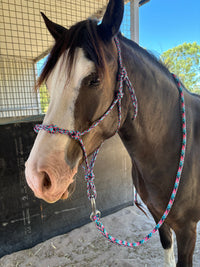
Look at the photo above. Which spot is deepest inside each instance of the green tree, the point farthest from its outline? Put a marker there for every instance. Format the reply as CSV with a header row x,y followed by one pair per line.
x,y
184,61
44,98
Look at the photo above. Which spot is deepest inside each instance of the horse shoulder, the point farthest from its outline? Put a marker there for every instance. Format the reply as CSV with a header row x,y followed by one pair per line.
x,y
192,172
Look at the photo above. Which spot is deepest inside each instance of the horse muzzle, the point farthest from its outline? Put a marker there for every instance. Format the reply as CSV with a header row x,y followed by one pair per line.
x,y
50,178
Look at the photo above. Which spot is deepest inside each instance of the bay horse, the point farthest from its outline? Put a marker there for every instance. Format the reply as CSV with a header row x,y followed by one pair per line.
x,y
81,75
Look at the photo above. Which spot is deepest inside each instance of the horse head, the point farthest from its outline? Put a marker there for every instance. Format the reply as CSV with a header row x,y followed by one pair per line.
x,y
81,77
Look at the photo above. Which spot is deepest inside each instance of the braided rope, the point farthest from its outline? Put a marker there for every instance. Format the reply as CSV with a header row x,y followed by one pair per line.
x,y
96,218
123,76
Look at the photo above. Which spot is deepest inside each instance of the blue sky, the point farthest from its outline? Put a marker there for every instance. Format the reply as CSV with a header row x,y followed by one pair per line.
x,y
165,24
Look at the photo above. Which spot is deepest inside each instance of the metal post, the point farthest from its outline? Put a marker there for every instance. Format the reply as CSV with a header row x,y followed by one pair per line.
x,y
134,28
135,20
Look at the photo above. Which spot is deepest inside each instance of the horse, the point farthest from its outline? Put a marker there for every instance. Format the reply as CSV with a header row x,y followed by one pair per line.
x,y
81,75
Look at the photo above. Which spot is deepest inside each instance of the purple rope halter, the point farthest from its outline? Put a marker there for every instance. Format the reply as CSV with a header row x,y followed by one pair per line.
x,y
89,174
76,135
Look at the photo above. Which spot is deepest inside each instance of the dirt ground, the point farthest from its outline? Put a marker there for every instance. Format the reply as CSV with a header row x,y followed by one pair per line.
x,y
86,247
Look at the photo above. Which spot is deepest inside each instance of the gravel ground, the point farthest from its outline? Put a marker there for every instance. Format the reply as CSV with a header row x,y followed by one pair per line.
x,y
86,247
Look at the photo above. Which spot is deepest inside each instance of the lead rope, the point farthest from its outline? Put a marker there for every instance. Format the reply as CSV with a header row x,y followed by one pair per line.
x,y
89,174
96,218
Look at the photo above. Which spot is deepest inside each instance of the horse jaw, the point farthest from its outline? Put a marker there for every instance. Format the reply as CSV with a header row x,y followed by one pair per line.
x,y
48,172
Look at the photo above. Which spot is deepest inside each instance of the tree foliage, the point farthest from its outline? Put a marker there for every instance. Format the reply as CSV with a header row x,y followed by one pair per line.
x,y
44,98
184,61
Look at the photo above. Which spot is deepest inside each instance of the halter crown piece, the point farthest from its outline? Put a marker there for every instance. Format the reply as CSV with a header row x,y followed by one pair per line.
x,y
89,174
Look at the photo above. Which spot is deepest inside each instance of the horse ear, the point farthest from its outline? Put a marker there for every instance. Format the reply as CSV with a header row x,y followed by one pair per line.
x,y
112,19
55,29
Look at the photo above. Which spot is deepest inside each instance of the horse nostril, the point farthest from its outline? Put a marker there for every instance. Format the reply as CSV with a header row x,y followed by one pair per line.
x,y
46,181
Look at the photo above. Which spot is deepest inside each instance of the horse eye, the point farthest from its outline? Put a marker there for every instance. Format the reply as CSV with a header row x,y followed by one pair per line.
x,y
94,81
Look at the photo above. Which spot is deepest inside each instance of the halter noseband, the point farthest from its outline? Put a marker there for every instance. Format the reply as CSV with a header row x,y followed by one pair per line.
x,y
76,135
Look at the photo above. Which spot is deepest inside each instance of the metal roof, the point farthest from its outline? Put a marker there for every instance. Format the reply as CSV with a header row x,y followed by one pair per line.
x,y
142,2
23,33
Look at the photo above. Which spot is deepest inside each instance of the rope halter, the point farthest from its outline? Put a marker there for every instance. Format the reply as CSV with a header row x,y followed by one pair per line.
x,y
89,174
76,135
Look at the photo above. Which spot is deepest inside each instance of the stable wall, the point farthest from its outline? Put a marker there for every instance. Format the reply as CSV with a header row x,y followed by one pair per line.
x,y
17,80
26,220
25,40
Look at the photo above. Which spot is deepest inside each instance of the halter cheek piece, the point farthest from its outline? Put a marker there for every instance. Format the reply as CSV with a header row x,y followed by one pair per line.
x,y
89,174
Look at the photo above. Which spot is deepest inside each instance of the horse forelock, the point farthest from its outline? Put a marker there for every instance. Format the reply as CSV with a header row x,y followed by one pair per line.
x,y
82,35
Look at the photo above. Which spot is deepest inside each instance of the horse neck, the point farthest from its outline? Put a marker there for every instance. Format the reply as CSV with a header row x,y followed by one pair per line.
x,y
158,124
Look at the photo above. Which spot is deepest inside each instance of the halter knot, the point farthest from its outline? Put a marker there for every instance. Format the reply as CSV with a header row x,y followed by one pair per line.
x,y
89,175
53,129
91,189
122,76
119,94
75,135
37,128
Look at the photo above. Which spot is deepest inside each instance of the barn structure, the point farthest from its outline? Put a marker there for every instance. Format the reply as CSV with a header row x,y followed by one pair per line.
x,y
25,42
